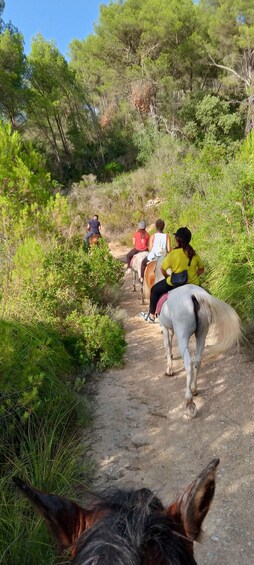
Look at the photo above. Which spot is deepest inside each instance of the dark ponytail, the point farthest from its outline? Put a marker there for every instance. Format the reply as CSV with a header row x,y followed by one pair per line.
x,y
187,248
189,251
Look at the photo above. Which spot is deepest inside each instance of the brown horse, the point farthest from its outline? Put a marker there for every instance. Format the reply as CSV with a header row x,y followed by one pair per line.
x,y
129,527
95,239
152,275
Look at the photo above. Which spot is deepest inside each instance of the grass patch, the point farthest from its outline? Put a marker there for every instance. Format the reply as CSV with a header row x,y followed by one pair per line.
x,y
51,458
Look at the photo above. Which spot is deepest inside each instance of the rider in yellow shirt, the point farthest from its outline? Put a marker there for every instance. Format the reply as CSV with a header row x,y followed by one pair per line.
x,y
178,261
181,259
195,269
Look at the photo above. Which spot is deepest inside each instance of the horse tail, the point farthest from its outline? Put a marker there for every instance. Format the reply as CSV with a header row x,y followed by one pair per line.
x,y
222,318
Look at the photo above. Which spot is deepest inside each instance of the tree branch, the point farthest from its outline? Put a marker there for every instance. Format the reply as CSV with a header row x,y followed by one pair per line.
x,y
230,70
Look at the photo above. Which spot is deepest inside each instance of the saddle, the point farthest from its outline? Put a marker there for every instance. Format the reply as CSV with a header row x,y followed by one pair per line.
x,y
160,303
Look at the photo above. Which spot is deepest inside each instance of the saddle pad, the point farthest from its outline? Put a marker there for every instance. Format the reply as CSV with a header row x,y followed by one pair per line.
x,y
160,303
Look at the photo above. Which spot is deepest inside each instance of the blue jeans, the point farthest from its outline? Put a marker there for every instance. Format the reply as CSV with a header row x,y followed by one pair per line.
x,y
89,234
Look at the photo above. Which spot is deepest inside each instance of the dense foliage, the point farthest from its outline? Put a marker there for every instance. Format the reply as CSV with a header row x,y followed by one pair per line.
x,y
55,331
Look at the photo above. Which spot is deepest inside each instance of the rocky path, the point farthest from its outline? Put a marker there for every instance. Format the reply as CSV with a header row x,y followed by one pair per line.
x,y
140,436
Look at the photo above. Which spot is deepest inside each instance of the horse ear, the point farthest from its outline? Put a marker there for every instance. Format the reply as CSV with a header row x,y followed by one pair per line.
x,y
66,520
192,506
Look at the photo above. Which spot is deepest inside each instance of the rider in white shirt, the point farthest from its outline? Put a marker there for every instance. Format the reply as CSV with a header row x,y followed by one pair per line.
x,y
159,245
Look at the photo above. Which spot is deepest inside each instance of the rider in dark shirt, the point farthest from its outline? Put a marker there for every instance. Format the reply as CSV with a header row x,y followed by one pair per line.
x,y
93,227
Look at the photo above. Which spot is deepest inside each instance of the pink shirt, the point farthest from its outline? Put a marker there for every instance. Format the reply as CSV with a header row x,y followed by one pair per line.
x,y
141,238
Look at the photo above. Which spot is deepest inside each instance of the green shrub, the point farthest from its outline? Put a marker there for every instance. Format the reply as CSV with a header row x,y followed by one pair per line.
x,y
146,139
212,122
102,342
105,271
23,176
47,280
33,366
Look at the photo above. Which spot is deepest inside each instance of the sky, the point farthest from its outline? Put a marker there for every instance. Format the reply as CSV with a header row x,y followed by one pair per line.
x,y
60,20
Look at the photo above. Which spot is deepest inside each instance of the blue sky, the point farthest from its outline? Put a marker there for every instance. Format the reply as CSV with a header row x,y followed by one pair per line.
x,y
60,20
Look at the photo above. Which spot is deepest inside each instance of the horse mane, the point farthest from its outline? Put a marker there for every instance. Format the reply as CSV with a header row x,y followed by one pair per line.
x,y
127,527
133,531
158,274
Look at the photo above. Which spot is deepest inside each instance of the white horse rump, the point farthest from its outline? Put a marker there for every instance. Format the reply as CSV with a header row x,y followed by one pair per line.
x,y
136,271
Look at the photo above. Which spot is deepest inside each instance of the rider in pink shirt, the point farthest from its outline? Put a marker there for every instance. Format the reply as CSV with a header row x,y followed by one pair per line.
x,y
140,243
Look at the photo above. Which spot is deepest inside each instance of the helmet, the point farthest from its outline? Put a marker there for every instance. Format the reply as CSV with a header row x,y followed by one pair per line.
x,y
184,234
142,225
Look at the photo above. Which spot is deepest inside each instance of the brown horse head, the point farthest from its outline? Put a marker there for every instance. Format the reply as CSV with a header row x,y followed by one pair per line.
x,y
126,527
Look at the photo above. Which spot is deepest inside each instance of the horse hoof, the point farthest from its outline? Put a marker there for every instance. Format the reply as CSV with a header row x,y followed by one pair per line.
x,y
194,391
169,374
191,409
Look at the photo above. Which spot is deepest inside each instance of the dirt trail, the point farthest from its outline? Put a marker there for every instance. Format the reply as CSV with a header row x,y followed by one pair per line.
x,y
140,435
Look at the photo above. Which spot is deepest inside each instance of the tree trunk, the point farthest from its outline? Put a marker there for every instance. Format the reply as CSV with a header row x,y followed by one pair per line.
x,y
153,113
250,115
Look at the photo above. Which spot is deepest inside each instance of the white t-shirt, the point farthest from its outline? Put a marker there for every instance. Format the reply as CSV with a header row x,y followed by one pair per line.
x,y
159,247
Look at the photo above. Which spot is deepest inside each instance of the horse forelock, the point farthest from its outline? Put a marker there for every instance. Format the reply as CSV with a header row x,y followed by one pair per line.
x,y
133,531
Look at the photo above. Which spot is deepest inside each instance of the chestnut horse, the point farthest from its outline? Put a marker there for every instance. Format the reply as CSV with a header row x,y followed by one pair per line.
x,y
129,527
152,275
94,239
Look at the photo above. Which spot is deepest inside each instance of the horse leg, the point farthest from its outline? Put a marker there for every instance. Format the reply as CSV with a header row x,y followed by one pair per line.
x,y
142,300
133,281
167,338
183,344
200,344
